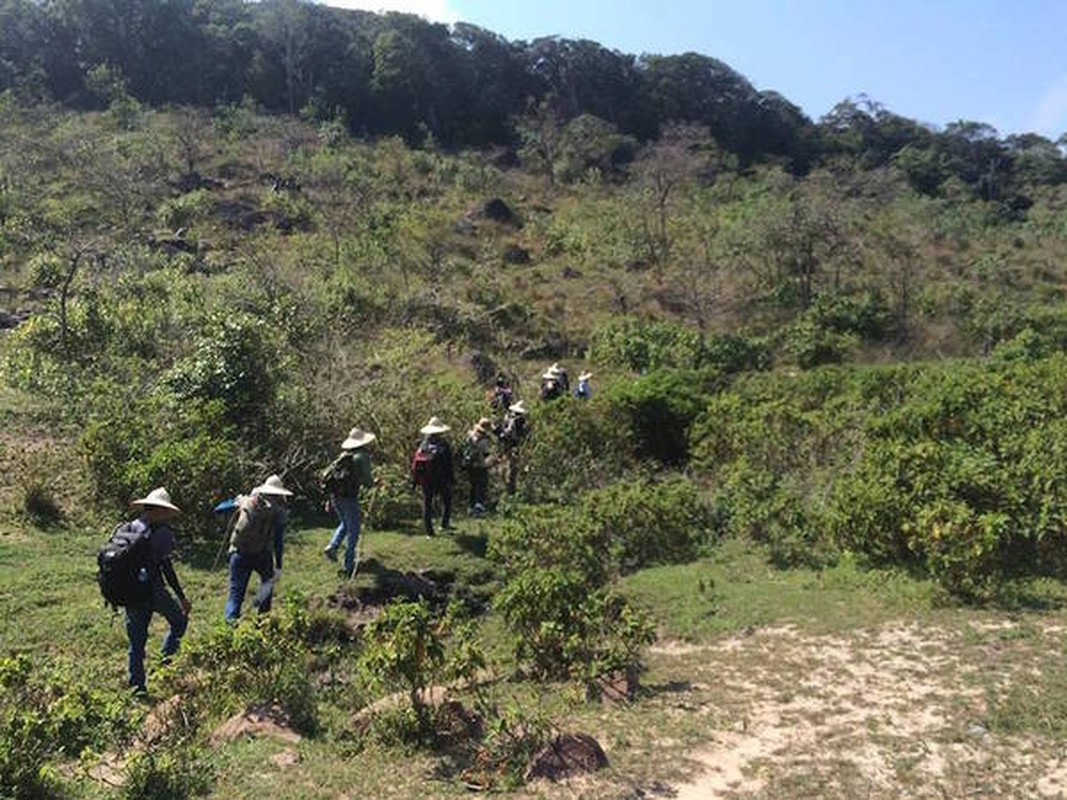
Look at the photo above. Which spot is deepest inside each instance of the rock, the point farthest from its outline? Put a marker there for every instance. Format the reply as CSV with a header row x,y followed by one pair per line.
x,y
567,755
257,721
498,211
286,758
516,255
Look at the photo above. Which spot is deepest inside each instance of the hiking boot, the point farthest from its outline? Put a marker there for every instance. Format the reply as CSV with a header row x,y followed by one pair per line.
x,y
330,553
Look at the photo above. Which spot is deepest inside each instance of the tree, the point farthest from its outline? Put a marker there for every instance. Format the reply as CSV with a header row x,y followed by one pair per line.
x,y
681,155
540,133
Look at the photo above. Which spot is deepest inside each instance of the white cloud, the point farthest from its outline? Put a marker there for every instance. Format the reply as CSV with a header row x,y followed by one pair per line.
x,y
1050,117
433,10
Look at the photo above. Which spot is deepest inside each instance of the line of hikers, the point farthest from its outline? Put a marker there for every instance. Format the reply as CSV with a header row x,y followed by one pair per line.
x,y
136,568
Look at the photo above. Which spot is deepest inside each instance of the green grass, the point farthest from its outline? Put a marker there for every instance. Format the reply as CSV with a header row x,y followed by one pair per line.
x,y
50,607
736,589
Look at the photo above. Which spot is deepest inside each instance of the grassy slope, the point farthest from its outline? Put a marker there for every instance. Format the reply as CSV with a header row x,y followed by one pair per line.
x,y
49,604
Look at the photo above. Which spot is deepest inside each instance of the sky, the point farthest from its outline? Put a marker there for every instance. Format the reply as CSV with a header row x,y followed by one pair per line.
x,y
1001,62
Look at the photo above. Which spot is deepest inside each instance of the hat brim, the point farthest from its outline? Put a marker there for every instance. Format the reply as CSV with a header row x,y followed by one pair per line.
x,y
152,502
430,430
358,442
273,490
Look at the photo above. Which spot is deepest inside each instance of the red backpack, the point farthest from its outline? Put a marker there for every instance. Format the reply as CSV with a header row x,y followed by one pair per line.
x,y
422,465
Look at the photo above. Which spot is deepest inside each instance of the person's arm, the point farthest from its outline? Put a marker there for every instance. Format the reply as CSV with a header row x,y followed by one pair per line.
x,y
450,467
279,539
366,471
166,569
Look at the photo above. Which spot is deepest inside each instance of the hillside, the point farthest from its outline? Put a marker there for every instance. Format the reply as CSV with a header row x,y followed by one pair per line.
x,y
813,391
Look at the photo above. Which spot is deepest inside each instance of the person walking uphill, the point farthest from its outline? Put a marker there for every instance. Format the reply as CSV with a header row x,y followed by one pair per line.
x,y
156,511
432,469
256,545
476,462
511,433
343,479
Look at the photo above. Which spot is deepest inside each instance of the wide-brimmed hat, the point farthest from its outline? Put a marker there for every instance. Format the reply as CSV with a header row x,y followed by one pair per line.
x,y
357,438
483,425
159,498
517,408
273,485
550,375
434,426
585,376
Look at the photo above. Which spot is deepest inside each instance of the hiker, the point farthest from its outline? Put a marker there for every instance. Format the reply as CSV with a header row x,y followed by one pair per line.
x,y
256,545
510,434
500,394
476,461
156,511
583,391
432,469
551,386
343,479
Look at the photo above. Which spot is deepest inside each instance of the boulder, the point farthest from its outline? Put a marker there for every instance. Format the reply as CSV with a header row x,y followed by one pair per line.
x,y
516,255
567,755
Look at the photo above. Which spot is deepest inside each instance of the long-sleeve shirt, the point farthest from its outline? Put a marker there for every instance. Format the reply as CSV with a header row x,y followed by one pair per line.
x,y
162,544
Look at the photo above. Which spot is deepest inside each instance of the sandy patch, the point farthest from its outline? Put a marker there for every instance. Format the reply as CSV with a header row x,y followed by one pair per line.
x,y
891,712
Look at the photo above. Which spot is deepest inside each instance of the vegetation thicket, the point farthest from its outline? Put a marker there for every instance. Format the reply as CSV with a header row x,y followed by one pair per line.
x,y
838,343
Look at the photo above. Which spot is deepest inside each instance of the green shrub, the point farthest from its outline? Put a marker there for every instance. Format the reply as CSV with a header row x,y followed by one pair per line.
x,y
405,646
232,363
641,346
570,447
134,444
657,411
810,343
261,661
167,773
557,563
45,714
644,524
185,209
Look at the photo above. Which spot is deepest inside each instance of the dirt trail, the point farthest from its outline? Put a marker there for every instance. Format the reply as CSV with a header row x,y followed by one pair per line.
x,y
888,713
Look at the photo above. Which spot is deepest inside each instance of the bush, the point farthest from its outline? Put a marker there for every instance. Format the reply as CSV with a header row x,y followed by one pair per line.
x,y
565,627
644,524
557,564
132,445
657,410
571,447
261,661
45,714
643,346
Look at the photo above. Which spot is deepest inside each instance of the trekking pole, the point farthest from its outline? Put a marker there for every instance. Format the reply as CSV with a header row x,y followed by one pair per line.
x,y
225,539
370,510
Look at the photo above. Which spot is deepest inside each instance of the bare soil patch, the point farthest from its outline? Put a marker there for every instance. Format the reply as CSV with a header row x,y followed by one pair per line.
x,y
892,712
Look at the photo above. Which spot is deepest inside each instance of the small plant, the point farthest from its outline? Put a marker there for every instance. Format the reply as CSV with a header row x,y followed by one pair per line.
x,y
173,773
405,646
44,714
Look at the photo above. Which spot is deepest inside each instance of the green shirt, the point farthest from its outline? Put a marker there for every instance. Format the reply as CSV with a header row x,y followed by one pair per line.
x,y
348,472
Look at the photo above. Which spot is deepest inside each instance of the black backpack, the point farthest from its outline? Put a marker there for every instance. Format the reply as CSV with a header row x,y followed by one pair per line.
x,y
125,565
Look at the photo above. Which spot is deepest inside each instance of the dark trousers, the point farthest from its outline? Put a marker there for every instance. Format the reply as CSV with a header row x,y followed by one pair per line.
x,y
429,492
479,478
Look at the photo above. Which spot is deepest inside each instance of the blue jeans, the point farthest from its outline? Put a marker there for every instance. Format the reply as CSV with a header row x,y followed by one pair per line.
x,y
241,569
347,510
137,621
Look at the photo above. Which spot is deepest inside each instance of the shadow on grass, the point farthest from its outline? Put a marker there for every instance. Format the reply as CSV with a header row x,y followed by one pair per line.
x,y
475,544
668,687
